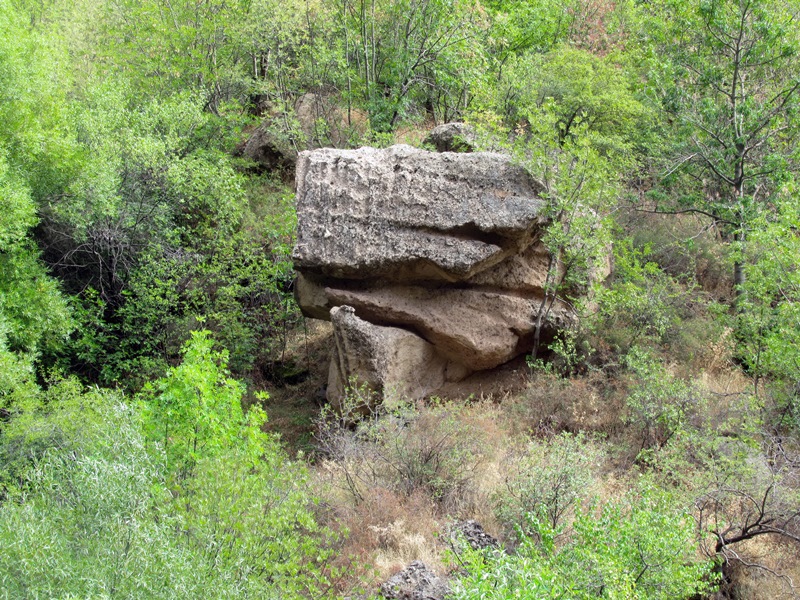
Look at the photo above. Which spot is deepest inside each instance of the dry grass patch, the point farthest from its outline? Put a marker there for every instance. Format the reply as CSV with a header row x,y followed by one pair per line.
x,y
398,481
387,531
769,570
551,404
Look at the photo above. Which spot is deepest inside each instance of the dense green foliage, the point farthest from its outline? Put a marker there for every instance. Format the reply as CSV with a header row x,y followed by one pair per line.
x,y
636,548
98,503
133,232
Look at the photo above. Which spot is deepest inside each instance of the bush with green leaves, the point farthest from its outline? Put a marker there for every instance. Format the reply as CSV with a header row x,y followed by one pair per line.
x,y
34,315
639,547
587,92
640,305
768,324
155,226
195,411
660,404
184,498
84,514
550,478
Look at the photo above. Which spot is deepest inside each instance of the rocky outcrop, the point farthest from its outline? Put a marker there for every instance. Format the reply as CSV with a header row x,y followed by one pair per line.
x,y
415,582
442,246
390,362
473,534
452,137
317,121
403,214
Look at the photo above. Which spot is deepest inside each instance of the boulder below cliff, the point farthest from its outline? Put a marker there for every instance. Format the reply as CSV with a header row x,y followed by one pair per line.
x,y
392,363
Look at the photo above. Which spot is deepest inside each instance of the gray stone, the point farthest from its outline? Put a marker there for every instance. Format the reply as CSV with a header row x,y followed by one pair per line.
x,y
473,534
405,214
452,137
415,582
391,363
477,328
268,150
441,248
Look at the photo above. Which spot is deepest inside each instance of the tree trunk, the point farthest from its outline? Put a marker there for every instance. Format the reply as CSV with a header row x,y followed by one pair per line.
x,y
738,276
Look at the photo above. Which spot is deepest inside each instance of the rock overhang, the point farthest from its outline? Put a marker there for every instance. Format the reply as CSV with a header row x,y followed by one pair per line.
x,y
445,246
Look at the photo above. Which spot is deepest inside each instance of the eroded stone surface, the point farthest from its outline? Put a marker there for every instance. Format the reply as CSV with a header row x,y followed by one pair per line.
x,y
473,534
479,329
405,214
390,362
446,247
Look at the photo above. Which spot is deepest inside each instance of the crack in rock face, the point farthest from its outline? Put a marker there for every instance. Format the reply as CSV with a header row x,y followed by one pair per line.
x,y
444,247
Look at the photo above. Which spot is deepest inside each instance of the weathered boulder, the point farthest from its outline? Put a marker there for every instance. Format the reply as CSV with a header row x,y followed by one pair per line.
x,y
444,246
390,362
478,328
415,582
452,137
404,214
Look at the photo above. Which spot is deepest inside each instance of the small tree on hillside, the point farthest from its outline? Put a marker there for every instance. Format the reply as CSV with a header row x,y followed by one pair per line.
x,y
729,84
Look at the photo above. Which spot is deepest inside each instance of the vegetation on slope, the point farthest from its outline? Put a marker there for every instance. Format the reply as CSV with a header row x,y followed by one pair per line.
x,y
652,450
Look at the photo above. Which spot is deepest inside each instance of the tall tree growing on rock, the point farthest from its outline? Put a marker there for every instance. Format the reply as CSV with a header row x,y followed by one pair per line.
x,y
732,89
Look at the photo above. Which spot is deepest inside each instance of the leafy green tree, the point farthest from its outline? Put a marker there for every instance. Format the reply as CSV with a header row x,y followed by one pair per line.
x,y
33,314
34,154
730,86
641,303
84,517
660,404
520,26
411,52
741,476
587,92
34,133
157,228
170,46
196,410
770,321
580,184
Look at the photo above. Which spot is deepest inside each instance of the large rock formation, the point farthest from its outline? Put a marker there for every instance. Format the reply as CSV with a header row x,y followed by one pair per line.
x,y
443,246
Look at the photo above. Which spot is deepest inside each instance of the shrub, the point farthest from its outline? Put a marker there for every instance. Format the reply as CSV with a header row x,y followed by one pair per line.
x,y
404,449
639,547
195,411
93,508
641,304
660,405
548,478
87,518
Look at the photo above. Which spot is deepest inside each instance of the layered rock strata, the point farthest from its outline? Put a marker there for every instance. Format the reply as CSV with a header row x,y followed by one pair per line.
x,y
441,246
